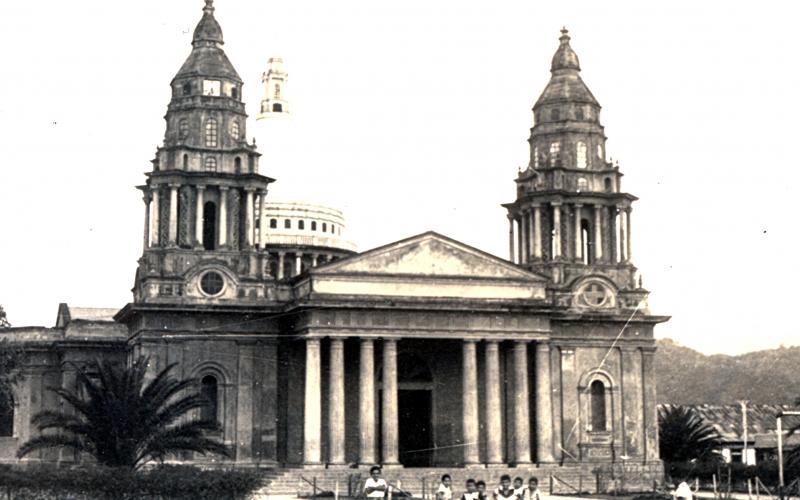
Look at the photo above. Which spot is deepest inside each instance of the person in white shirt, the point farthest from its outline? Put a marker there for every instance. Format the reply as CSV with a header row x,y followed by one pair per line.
x,y
472,491
375,486
519,487
505,491
445,492
532,491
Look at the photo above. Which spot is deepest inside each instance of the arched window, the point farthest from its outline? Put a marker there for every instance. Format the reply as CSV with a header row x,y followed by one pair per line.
x,y
211,133
209,225
273,223
234,92
580,155
324,227
301,224
277,91
583,184
183,128
235,130
313,225
600,151
237,165
187,88
607,184
536,157
211,164
277,107
287,224
598,405
6,416
210,391
555,154
185,162
333,228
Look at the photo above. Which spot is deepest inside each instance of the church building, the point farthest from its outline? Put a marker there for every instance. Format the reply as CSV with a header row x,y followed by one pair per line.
x,y
422,353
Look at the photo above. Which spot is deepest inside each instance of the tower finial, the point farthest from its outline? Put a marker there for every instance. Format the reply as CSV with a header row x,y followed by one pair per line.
x,y
209,8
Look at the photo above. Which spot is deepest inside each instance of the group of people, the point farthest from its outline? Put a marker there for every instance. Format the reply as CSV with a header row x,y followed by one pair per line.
x,y
376,487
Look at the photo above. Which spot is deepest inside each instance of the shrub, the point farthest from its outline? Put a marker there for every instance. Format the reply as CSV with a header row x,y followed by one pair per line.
x,y
98,482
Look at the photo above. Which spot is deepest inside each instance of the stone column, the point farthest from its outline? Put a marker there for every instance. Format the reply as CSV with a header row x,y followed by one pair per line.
x,y
522,437
314,260
336,403
366,403
312,418
520,240
155,220
614,235
544,409
146,242
537,231
531,230
298,263
578,234
556,230
628,234
494,424
172,234
623,236
598,233
248,221
511,239
222,225
198,216
389,421
523,238
280,265
262,215
469,398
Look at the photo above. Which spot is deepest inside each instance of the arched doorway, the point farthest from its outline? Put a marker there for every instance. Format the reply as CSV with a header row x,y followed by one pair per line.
x,y
415,410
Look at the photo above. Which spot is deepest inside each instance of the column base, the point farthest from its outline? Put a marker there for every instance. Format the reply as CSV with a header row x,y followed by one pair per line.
x,y
314,465
392,466
338,466
496,465
473,465
523,464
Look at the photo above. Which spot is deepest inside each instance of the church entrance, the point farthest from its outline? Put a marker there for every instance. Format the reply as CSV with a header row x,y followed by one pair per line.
x,y
415,413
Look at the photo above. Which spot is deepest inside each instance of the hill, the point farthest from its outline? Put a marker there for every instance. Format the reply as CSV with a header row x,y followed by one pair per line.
x,y
685,376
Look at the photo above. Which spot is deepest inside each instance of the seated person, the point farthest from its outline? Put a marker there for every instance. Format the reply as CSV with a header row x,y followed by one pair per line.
x,y
375,486
445,491
481,490
532,492
519,487
505,491
472,491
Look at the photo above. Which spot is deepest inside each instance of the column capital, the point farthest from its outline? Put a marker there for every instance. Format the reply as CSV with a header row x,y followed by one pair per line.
x,y
281,254
578,205
200,187
542,345
174,185
146,197
249,189
556,203
223,188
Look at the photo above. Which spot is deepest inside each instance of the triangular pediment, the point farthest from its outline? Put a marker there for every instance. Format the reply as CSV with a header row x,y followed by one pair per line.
x,y
429,254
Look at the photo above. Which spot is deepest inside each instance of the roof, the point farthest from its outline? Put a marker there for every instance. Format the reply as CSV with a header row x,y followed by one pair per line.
x,y
67,314
207,57
565,83
727,419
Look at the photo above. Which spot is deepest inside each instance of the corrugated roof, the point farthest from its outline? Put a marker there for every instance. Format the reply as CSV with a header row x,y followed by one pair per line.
x,y
727,419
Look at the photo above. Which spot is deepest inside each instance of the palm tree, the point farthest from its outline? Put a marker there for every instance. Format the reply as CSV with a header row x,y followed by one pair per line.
x,y
125,421
684,436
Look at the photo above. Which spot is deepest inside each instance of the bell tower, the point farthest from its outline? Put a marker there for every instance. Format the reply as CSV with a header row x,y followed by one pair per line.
x,y
571,219
274,102
204,194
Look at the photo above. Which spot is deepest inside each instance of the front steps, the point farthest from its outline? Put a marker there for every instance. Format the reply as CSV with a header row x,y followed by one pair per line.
x,y
558,479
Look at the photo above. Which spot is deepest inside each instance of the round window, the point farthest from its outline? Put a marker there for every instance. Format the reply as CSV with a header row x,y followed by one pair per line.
x,y
211,283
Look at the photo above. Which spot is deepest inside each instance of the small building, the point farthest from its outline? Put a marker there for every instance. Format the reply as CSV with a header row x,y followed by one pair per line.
x,y
760,440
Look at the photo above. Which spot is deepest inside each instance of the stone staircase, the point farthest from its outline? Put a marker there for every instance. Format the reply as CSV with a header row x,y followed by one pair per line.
x,y
422,482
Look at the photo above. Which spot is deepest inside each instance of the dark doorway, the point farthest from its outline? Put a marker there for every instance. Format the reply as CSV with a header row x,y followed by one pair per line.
x,y
416,436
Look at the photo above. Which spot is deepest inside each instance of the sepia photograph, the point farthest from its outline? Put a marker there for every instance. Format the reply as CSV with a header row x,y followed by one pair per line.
x,y
430,250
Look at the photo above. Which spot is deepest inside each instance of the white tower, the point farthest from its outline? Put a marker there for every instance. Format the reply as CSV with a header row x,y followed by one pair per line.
x,y
274,101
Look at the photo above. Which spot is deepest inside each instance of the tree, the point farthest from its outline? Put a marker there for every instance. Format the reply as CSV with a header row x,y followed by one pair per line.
x,y
684,436
125,421
12,358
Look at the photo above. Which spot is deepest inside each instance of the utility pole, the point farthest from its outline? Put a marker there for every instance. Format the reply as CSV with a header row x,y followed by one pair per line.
x,y
780,448
743,402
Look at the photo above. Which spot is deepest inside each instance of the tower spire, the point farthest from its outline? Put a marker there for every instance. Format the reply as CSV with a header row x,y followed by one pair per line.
x,y
208,30
565,57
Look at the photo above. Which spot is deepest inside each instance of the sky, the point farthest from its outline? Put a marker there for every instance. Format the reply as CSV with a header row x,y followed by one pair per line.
x,y
412,116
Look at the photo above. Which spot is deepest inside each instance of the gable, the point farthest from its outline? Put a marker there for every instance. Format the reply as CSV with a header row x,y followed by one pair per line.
x,y
426,266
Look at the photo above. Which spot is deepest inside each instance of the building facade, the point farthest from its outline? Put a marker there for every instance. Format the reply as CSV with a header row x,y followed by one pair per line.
x,y
425,352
